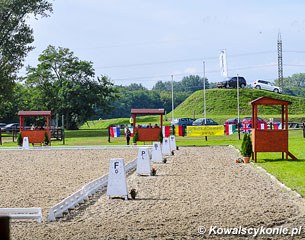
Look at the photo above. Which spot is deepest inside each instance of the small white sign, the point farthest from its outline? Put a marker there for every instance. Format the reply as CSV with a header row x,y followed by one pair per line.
x,y
172,141
25,143
117,185
156,152
166,149
143,162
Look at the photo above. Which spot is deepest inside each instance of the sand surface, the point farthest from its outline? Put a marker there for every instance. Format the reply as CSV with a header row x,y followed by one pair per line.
x,y
196,187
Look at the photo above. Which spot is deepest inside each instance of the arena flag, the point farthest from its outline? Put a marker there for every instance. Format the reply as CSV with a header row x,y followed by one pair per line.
x,y
166,131
179,131
131,131
230,129
245,128
277,125
115,132
223,63
263,126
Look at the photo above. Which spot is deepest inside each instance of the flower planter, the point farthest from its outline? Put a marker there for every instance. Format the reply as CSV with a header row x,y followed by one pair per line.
x,y
246,159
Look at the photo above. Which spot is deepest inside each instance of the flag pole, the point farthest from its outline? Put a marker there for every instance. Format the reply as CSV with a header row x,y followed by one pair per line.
x,y
204,97
172,99
238,117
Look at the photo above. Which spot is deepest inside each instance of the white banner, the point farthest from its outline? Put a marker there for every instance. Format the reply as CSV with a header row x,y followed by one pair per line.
x,y
223,63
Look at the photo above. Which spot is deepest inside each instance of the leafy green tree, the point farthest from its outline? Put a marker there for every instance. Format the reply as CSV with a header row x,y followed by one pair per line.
x,y
136,86
296,80
293,85
190,84
15,39
66,85
162,86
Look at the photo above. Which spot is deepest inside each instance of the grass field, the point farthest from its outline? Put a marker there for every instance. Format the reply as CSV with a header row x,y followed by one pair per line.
x,y
289,172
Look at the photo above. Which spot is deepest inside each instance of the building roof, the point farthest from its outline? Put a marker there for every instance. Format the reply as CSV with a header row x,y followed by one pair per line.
x,y
148,111
269,101
34,113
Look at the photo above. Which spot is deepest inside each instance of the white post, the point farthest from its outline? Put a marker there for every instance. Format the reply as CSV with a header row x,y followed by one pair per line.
x,y
204,100
238,98
117,184
172,99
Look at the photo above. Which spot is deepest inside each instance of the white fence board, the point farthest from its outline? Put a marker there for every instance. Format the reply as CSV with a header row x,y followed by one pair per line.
x,y
82,195
22,213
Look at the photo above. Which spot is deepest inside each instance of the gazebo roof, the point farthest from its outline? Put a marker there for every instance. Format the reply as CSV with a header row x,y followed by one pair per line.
x,y
148,111
34,113
269,101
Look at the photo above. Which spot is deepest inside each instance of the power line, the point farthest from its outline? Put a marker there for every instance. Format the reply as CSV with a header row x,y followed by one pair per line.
x,y
183,60
153,78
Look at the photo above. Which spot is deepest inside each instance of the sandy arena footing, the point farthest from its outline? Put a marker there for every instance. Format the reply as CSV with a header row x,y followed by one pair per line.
x,y
199,186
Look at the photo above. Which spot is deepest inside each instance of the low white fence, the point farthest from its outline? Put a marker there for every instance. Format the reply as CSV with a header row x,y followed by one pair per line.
x,y
83,194
22,213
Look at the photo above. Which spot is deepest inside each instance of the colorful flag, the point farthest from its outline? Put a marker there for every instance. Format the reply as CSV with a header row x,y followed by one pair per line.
x,y
230,129
166,131
179,131
115,132
277,125
245,128
262,126
223,63
131,131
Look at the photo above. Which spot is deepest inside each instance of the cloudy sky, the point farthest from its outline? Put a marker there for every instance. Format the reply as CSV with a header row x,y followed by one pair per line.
x,y
145,41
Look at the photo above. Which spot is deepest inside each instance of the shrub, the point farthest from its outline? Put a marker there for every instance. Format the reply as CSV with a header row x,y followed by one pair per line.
x,y
46,139
19,139
135,137
246,146
161,136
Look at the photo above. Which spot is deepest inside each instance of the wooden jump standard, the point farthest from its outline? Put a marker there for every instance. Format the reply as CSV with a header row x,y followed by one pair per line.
x,y
270,140
147,134
35,135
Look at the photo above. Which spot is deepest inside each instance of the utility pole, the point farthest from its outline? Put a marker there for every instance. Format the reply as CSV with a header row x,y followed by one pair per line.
x,y
204,99
237,87
280,60
172,99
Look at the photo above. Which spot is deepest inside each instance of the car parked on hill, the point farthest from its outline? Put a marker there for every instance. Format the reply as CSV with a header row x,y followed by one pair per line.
x,y
203,121
266,85
231,82
11,127
183,121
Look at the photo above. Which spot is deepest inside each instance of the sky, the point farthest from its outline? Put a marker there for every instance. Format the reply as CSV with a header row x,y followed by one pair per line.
x,y
142,41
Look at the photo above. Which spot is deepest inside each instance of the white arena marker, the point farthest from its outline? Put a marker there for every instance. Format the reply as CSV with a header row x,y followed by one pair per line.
x,y
117,185
166,149
25,143
156,152
172,141
143,162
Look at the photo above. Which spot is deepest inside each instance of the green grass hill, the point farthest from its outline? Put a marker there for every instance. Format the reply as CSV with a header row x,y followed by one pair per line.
x,y
222,104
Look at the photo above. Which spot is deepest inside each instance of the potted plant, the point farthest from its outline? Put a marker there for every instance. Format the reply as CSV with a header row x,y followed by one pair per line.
x,y
133,193
153,172
135,138
246,148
